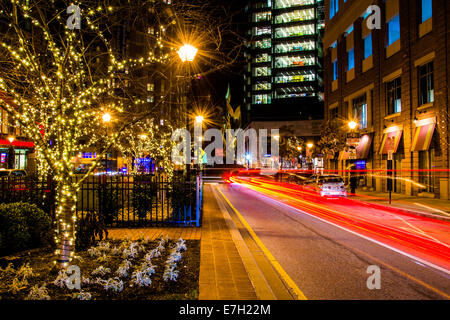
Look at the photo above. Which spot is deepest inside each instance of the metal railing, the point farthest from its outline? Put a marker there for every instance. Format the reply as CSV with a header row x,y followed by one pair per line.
x,y
121,200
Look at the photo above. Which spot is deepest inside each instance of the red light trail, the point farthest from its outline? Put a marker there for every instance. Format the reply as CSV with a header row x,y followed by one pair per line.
x,y
424,238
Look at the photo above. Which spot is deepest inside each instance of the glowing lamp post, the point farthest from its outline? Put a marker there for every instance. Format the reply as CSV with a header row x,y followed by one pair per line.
x,y
352,125
187,53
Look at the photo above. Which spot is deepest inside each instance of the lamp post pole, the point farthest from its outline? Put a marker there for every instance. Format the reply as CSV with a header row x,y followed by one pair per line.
x,y
187,55
106,119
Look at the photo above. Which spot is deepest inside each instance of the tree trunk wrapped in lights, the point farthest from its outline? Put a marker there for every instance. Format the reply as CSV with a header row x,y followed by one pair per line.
x,y
56,88
57,80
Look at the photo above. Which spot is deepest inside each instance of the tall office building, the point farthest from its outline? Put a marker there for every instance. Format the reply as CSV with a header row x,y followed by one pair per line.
x,y
283,78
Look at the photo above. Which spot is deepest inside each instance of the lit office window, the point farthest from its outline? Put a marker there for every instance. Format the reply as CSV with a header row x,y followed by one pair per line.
x,y
257,31
426,84
295,16
260,86
261,72
367,46
262,44
394,96
262,16
282,4
295,46
351,59
295,31
262,99
427,9
263,57
393,30
294,61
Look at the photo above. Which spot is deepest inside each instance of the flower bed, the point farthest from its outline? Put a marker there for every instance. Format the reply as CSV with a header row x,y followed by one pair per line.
x,y
164,269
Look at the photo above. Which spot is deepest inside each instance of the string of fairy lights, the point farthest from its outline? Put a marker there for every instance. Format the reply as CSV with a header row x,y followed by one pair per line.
x,y
56,100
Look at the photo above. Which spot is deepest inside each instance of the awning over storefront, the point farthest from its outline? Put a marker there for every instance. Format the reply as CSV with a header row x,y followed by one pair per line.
x,y
363,148
391,140
423,134
17,144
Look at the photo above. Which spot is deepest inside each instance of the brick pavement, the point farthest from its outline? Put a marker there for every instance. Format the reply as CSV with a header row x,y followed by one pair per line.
x,y
222,272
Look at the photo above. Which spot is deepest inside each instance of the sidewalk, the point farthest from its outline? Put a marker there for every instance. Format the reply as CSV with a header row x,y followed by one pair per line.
x,y
225,273
434,208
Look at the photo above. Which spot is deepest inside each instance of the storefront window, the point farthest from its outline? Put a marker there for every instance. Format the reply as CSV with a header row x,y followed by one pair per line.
x,y
426,163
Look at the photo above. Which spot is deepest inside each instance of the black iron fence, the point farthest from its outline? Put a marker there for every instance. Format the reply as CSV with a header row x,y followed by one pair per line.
x,y
121,200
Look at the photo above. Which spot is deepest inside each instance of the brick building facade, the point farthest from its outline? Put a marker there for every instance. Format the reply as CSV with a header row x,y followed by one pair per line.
x,y
394,82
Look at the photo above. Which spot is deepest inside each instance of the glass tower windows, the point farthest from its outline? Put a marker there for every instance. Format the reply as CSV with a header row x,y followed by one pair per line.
x,y
262,16
295,46
262,44
282,4
295,31
262,57
299,76
262,86
261,99
295,16
262,72
294,61
257,31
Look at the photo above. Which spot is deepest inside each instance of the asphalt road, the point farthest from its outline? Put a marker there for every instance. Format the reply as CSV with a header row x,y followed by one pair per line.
x,y
329,262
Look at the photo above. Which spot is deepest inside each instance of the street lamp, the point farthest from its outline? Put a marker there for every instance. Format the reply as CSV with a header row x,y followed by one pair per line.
x,y
310,145
199,119
106,119
352,125
187,53
11,139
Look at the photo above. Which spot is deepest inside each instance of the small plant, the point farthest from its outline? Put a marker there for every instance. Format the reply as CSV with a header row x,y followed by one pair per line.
x,y
83,295
101,271
113,284
62,279
38,293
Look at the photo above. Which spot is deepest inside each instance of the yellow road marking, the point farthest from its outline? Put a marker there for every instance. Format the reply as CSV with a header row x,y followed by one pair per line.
x,y
287,279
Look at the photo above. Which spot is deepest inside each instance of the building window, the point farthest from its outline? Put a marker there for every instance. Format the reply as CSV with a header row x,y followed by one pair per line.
x,y
426,164
257,31
394,96
335,70
351,59
367,46
426,9
393,30
334,8
262,16
334,113
261,72
360,111
262,99
426,84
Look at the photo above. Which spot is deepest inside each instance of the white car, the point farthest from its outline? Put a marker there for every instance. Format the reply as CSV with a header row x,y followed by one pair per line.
x,y
328,185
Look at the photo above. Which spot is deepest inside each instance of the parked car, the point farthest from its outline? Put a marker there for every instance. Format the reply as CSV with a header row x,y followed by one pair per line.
x,y
14,173
327,185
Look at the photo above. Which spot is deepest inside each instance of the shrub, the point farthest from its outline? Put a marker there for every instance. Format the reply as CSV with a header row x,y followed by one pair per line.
x,y
145,189
23,226
88,229
108,200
